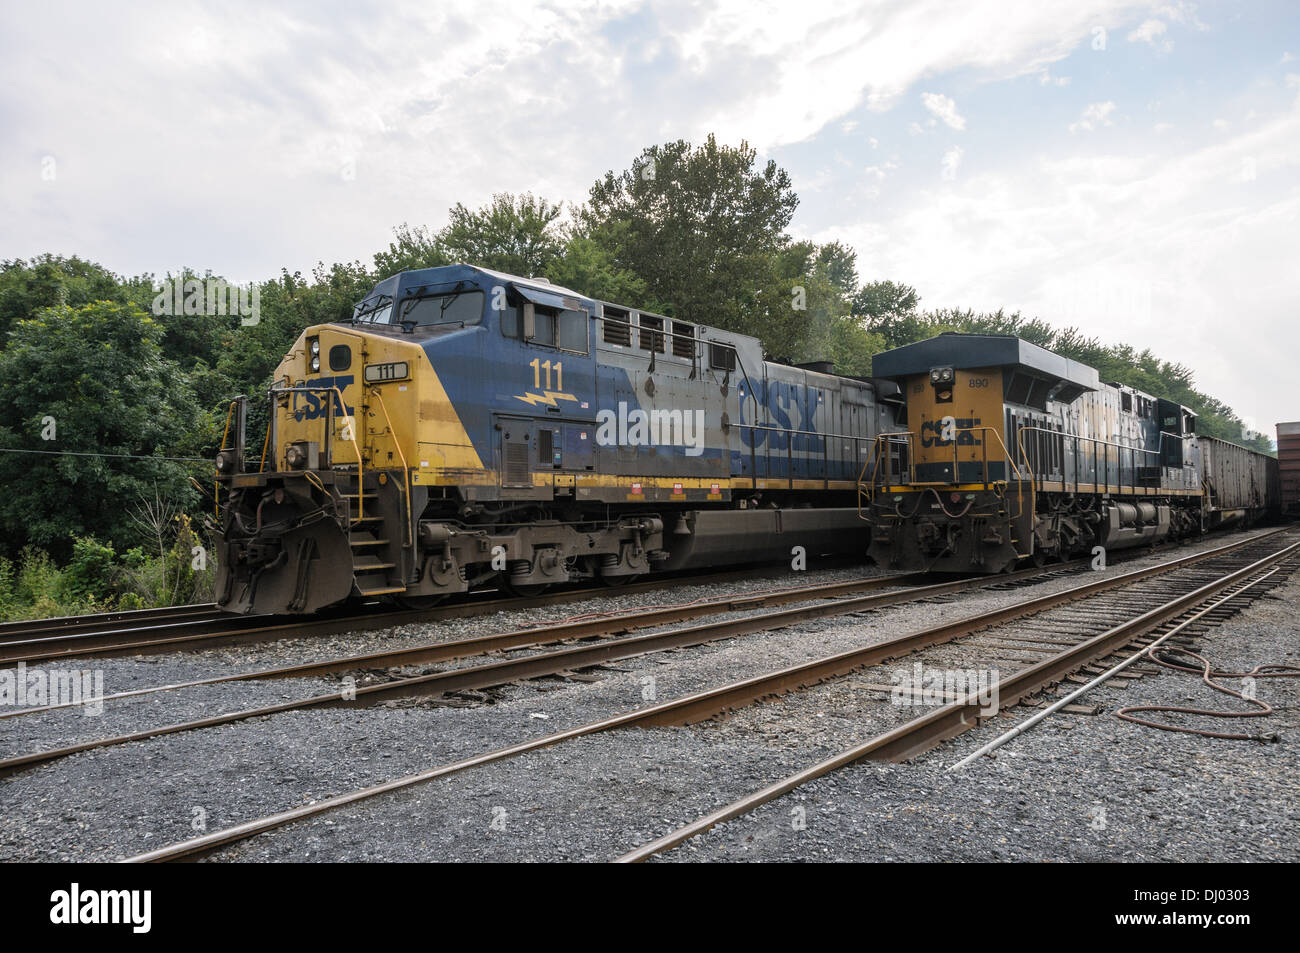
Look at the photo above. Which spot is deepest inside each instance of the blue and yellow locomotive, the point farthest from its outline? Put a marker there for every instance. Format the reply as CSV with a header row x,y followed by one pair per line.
x,y
470,428
1009,452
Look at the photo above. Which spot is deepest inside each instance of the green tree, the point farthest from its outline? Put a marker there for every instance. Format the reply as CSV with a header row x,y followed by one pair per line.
x,y
703,227
411,250
519,235
589,268
91,380
839,263
889,310
49,281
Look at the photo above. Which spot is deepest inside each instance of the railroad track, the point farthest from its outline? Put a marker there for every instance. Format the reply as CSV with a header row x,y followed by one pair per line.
x,y
103,621
203,626
1156,595
1160,613
837,599
191,628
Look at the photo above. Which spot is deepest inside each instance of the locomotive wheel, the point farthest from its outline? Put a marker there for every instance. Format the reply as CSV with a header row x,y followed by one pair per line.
x,y
420,602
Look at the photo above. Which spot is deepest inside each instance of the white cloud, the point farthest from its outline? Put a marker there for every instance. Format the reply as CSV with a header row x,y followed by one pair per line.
x,y
1124,246
880,171
475,98
951,160
1182,13
1152,32
1094,115
943,108
1248,172
1047,79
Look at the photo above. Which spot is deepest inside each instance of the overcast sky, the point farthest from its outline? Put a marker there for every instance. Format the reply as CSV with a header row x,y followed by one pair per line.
x,y
1130,168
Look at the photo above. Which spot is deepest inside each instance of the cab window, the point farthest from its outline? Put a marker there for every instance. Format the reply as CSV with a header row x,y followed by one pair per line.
x,y
463,308
544,324
572,331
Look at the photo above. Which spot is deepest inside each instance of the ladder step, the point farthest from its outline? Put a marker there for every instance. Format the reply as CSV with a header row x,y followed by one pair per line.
x,y
368,542
371,567
367,519
381,592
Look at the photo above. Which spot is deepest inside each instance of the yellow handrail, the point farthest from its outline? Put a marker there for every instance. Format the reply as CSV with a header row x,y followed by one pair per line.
x,y
216,485
265,443
868,488
406,471
361,466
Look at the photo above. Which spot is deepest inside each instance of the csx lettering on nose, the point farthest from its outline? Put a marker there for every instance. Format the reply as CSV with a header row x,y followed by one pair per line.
x,y
312,406
932,433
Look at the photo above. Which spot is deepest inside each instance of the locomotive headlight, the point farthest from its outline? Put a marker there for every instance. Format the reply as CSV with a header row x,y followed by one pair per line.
x,y
315,364
934,376
947,373
315,346
296,457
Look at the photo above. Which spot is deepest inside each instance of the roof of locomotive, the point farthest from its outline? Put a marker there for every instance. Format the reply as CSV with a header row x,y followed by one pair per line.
x,y
968,351
411,281
537,290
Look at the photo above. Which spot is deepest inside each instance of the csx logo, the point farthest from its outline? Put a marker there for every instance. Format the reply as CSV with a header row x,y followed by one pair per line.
x,y
780,398
937,433
313,406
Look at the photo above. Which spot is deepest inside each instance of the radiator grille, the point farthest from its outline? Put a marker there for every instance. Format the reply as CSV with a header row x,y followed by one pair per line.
x,y
516,464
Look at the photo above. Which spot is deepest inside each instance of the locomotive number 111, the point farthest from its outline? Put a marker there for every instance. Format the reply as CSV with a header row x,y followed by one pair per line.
x,y
538,366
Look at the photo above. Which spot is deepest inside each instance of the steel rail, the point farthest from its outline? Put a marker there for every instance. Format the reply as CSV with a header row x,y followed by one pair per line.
x,y
73,623
490,674
690,708
605,624
1114,670
922,733
114,642
588,628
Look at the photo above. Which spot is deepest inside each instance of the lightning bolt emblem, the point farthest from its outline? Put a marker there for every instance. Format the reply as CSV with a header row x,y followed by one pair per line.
x,y
547,397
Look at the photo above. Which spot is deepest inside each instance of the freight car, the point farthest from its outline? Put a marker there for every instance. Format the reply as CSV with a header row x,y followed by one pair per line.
x,y
469,428
1241,485
1011,452
1288,458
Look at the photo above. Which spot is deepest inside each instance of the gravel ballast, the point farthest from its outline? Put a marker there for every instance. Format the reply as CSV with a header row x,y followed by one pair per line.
x,y
594,797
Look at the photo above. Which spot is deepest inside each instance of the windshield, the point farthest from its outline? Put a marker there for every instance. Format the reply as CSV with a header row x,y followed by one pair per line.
x,y
456,307
374,310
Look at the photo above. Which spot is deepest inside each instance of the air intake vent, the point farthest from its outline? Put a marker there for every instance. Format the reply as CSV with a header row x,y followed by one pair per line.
x,y
516,464
617,327
683,340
